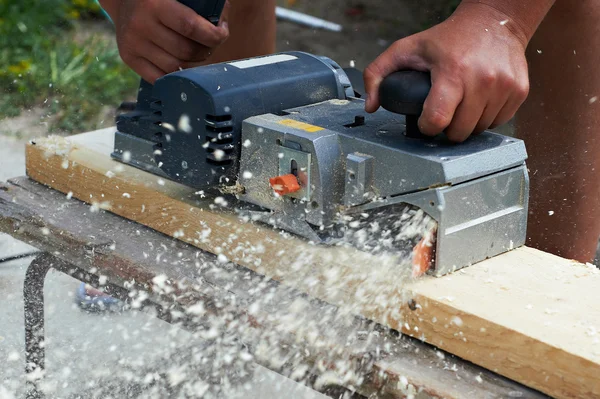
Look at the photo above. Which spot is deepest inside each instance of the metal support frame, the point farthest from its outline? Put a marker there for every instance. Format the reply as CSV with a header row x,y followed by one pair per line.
x,y
33,292
33,297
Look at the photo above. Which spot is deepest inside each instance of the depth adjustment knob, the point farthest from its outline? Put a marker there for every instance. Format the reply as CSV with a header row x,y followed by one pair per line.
x,y
404,92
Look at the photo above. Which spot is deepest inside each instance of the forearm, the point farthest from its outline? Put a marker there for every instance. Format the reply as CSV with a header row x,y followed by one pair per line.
x,y
522,18
559,123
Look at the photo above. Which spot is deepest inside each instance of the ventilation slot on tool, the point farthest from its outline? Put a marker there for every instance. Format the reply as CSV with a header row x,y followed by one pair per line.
x,y
155,118
219,136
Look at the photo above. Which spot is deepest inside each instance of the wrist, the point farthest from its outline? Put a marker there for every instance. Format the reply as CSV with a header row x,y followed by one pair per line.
x,y
519,18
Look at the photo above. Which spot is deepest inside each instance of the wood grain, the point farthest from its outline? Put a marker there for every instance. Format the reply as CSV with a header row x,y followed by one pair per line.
x,y
528,315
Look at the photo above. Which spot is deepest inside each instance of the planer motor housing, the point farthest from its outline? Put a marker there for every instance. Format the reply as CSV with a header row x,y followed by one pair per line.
x,y
190,122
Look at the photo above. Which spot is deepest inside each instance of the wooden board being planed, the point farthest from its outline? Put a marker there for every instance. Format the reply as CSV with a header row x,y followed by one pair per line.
x,y
528,315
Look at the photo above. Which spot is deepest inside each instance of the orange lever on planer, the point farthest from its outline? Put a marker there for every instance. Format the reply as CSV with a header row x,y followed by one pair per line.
x,y
285,184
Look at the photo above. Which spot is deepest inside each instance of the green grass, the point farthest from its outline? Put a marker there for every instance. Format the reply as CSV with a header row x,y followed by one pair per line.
x,y
41,63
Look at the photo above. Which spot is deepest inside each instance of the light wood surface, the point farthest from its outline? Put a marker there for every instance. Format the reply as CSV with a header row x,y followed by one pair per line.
x,y
528,315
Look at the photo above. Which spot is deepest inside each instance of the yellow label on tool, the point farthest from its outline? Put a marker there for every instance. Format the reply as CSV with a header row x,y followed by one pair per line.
x,y
300,125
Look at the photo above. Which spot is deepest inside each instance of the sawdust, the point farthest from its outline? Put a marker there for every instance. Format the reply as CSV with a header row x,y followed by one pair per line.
x,y
338,102
54,145
236,189
301,344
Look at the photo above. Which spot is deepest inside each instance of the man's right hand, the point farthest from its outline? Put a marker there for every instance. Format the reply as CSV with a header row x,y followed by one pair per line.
x,y
156,37
478,69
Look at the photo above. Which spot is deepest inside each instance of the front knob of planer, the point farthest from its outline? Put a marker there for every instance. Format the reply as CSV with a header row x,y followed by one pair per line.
x,y
404,92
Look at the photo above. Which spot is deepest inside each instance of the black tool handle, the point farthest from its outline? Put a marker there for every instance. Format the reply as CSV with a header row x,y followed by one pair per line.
x,y
404,92
209,9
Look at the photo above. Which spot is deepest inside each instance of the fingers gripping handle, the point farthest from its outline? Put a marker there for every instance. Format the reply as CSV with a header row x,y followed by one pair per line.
x,y
404,92
209,9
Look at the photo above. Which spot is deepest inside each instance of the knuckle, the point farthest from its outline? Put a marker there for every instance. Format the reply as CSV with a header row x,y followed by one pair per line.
x,y
459,67
523,88
506,81
222,35
215,37
488,78
187,26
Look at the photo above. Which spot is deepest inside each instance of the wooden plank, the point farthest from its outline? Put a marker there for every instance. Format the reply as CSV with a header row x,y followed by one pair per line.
x,y
123,251
528,315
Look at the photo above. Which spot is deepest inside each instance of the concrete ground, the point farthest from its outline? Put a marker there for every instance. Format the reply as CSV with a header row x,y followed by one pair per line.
x,y
78,343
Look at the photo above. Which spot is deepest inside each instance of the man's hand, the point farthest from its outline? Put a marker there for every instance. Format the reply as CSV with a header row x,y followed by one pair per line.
x,y
156,37
478,71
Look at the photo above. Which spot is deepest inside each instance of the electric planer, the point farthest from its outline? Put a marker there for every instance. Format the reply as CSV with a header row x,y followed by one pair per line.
x,y
287,134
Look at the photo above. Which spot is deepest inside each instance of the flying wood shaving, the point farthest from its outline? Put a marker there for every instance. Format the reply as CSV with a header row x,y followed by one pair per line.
x,y
235,189
55,145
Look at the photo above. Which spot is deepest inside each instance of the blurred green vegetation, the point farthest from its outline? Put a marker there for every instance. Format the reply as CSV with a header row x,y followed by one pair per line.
x,y
42,62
